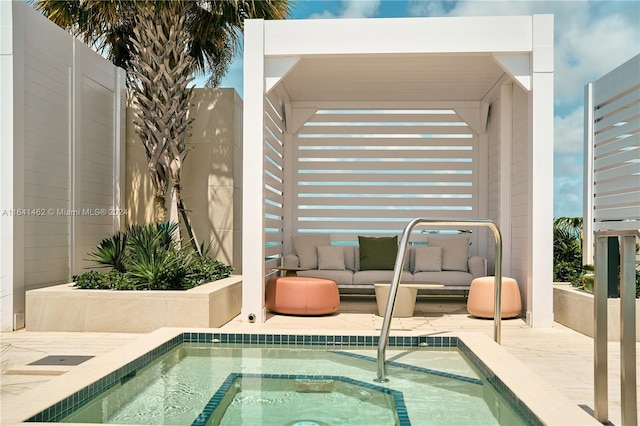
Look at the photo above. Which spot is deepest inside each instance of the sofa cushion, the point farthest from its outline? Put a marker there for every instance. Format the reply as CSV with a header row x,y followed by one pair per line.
x,y
428,259
455,251
331,257
342,278
351,257
305,246
378,253
447,278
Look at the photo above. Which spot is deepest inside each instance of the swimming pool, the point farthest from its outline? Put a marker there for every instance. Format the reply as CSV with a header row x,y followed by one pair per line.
x,y
232,379
273,370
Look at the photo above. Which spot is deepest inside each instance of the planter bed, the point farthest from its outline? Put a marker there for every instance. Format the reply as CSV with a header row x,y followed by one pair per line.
x,y
573,308
67,308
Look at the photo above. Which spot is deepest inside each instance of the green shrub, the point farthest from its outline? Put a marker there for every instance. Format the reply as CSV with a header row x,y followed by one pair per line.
x,y
146,257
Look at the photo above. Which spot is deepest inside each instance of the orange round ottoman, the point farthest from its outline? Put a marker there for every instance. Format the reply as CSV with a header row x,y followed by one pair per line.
x,y
302,296
481,298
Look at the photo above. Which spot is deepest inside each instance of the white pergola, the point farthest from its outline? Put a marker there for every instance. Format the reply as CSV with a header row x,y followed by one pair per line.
x,y
320,94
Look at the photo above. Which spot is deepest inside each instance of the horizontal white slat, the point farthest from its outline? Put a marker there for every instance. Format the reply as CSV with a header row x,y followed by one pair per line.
x,y
274,131
607,106
628,225
384,156
388,179
624,184
270,195
373,190
378,214
613,132
421,168
273,223
272,251
617,213
627,113
408,142
617,145
273,148
385,118
271,168
624,199
618,159
384,130
624,170
378,199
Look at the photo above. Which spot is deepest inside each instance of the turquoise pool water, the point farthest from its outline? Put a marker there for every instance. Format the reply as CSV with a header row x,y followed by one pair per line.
x,y
298,383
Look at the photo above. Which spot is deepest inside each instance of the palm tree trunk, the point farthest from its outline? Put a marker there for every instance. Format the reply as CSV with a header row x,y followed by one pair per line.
x,y
176,195
159,208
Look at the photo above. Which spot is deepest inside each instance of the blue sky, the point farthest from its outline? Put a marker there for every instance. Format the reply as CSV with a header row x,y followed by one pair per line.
x,y
591,39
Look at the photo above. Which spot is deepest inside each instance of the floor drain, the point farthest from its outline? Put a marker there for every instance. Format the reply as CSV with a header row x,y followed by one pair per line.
x,y
307,423
61,360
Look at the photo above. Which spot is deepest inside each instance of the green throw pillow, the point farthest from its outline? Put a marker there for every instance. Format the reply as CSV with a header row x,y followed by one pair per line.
x,y
378,253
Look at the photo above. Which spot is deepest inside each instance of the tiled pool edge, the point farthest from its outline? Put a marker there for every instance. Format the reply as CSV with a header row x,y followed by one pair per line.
x,y
72,402
569,413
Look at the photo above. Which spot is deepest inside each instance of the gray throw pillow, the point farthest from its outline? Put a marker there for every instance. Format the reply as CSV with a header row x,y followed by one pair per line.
x,y
305,246
455,251
428,259
331,257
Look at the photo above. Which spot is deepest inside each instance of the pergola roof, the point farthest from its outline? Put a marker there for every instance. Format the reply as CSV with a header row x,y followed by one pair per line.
x,y
406,77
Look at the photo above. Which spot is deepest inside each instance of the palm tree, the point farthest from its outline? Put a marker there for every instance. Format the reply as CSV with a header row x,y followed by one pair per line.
x,y
567,248
213,26
163,44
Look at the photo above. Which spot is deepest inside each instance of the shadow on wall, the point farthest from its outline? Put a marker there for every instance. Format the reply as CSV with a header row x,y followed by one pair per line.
x,y
211,174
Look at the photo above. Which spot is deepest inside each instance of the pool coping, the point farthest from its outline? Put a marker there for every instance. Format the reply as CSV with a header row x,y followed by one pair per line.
x,y
548,404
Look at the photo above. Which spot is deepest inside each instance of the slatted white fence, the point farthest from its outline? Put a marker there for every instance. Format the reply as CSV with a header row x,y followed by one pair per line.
x,y
612,152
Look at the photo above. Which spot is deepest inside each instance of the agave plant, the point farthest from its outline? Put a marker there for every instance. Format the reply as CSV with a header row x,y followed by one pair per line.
x,y
111,252
149,257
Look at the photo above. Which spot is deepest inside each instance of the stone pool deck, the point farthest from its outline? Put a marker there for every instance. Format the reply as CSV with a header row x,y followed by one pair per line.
x,y
561,356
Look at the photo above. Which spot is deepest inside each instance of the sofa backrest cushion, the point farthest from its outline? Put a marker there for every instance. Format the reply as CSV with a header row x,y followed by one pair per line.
x,y
331,257
378,253
305,246
455,251
428,259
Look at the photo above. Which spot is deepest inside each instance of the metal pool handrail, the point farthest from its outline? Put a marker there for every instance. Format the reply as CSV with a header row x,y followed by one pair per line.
x,y
397,273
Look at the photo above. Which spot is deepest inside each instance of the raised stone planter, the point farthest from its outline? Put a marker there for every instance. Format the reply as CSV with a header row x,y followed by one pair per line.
x,y
66,308
573,308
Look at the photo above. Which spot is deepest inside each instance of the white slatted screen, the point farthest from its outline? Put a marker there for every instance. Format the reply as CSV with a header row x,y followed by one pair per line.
x,y
273,183
616,148
369,172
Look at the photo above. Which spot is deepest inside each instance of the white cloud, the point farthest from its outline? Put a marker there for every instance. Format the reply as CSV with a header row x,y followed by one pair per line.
x,y
352,9
591,38
568,132
568,193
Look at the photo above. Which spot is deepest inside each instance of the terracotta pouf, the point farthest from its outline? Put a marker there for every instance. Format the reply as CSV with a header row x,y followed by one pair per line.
x,y
302,296
481,298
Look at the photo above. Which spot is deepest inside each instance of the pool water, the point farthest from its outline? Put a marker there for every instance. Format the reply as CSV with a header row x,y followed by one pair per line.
x,y
301,385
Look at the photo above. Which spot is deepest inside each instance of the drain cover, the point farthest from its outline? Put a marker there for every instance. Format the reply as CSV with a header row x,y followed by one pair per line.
x,y
61,360
307,423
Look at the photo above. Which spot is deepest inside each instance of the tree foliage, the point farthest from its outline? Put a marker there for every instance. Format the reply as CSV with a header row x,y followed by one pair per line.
x,y
213,26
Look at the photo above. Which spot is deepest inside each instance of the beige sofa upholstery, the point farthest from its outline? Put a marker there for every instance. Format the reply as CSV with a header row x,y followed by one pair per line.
x,y
349,276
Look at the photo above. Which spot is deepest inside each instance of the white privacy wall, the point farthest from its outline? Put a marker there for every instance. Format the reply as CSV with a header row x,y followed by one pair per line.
x,y
61,108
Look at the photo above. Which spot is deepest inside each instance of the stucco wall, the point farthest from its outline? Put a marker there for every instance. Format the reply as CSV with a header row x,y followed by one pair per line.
x,y
211,174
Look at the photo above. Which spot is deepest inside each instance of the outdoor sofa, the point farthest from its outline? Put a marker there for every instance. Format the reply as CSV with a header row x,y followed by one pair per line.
x,y
355,268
